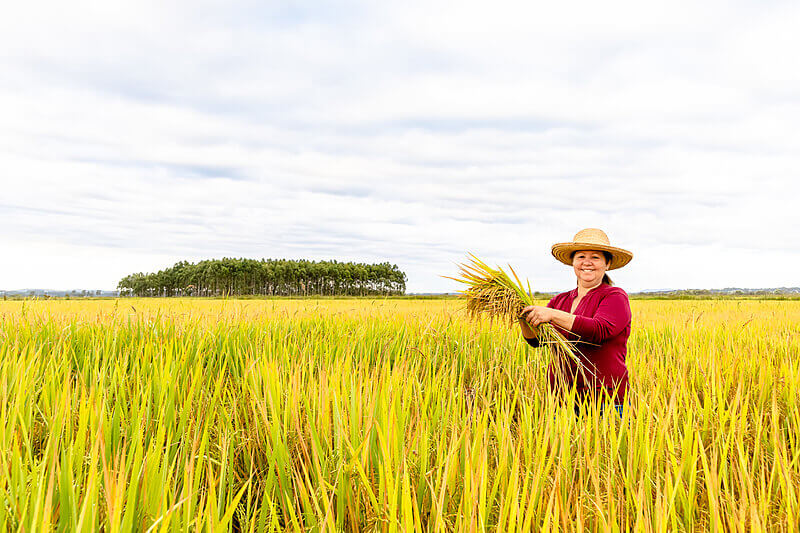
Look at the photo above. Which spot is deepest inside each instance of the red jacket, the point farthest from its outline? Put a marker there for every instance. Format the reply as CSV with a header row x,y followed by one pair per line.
x,y
603,318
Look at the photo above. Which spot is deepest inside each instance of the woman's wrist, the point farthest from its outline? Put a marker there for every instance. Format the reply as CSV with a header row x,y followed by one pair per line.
x,y
563,319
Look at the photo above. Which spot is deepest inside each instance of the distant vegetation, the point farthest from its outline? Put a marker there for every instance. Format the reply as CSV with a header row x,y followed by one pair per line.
x,y
267,277
730,291
779,293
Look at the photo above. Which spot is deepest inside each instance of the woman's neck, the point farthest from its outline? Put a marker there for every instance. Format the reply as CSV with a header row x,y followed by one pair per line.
x,y
582,290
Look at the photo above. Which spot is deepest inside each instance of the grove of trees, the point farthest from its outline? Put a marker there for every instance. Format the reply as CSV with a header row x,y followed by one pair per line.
x,y
268,277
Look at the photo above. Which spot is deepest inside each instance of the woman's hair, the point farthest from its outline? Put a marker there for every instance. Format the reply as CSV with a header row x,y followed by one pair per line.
x,y
609,257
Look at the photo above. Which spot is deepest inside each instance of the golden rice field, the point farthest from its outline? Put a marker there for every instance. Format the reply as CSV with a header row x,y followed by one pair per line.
x,y
387,415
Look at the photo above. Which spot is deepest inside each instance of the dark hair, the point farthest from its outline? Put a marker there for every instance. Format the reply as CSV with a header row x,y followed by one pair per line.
x,y
609,257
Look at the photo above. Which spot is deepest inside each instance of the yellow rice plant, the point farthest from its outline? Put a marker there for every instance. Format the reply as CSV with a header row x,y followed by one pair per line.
x,y
349,415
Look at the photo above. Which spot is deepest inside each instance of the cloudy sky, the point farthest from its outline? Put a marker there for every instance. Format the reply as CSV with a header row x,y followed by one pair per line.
x,y
136,134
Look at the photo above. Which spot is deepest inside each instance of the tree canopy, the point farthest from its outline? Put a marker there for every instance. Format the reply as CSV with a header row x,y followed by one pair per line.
x,y
268,277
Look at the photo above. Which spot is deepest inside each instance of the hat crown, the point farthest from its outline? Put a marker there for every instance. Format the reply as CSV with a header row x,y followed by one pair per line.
x,y
592,236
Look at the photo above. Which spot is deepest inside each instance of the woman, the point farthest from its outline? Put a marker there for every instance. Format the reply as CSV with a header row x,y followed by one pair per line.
x,y
595,314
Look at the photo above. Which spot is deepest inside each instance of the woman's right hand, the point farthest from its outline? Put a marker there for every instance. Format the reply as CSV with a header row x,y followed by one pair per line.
x,y
523,315
537,314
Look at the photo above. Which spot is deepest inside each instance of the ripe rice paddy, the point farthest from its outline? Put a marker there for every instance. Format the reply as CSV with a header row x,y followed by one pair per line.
x,y
387,415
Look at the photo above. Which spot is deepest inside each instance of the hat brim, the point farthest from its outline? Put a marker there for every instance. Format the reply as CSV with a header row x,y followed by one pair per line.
x,y
619,256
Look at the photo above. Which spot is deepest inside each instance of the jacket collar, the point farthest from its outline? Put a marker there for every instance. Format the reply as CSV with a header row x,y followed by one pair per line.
x,y
599,289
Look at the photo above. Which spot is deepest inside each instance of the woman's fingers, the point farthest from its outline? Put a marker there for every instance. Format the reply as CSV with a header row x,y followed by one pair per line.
x,y
536,315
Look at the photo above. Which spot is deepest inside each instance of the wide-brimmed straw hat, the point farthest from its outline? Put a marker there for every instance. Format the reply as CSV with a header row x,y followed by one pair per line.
x,y
591,239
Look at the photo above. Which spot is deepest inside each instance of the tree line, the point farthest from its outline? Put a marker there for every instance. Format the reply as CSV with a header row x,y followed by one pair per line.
x,y
267,277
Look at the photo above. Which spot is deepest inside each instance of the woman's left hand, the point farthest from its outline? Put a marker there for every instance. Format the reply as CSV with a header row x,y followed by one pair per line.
x,y
537,314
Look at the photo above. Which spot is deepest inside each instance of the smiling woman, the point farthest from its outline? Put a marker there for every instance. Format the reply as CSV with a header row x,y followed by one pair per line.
x,y
596,315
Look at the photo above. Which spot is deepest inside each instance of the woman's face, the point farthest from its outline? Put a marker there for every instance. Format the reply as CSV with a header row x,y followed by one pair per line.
x,y
590,266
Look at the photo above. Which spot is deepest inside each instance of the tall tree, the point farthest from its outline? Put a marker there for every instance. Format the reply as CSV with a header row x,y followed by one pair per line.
x,y
232,276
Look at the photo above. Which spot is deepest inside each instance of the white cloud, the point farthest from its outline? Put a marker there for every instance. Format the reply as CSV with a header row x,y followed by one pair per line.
x,y
144,133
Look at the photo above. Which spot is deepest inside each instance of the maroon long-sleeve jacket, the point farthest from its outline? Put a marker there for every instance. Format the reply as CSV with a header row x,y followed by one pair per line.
x,y
602,325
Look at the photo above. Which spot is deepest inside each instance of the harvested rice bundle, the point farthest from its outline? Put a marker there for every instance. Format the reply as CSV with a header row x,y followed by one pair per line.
x,y
491,291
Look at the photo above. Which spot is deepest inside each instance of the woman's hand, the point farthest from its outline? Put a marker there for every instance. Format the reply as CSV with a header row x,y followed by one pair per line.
x,y
537,314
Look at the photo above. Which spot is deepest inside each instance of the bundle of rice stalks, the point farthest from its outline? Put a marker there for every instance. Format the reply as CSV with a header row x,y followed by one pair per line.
x,y
492,292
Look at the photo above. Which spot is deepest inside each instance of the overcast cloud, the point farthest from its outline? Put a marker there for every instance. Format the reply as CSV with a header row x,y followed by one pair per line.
x,y
137,134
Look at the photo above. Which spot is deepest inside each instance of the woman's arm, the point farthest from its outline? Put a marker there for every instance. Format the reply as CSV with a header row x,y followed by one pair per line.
x,y
612,315
537,314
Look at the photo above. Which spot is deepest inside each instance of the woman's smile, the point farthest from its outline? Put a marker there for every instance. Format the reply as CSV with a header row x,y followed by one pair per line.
x,y
590,267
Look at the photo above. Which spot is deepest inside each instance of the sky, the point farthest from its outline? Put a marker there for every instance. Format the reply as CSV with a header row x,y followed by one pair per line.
x,y
137,134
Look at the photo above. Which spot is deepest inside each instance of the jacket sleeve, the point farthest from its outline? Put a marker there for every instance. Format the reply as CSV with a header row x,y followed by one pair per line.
x,y
612,316
533,342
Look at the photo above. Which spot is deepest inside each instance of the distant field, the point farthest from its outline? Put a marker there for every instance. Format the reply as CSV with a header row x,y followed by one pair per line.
x,y
543,296
389,415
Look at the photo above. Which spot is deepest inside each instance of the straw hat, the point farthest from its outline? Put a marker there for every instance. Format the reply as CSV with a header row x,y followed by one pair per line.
x,y
591,239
